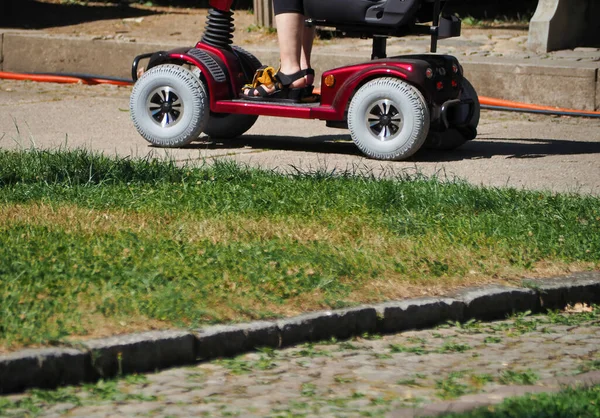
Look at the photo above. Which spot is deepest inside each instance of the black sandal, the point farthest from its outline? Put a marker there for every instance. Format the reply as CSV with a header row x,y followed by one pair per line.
x,y
283,92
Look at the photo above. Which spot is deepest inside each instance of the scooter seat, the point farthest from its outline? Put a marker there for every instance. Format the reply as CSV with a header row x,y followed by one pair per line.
x,y
368,17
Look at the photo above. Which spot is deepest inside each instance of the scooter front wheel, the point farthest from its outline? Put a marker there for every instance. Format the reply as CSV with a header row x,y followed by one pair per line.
x,y
169,106
388,119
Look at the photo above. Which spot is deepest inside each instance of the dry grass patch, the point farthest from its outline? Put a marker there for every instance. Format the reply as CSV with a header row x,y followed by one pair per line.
x,y
93,245
193,228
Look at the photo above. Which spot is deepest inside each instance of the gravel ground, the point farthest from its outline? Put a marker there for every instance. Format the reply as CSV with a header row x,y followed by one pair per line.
x,y
377,375
368,376
559,154
151,23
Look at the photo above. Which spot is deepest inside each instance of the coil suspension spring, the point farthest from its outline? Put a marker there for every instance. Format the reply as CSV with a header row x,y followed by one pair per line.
x,y
219,29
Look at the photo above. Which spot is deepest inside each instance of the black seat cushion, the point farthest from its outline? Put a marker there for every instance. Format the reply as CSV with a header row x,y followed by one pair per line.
x,y
375,13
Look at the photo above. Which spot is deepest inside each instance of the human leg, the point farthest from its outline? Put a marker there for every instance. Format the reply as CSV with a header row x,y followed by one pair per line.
x,y
308,36
293,34
295,47
290,31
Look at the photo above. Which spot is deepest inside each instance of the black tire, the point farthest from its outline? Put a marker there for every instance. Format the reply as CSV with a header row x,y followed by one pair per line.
x,y
388,119
228,125
248,62
169,106
455,137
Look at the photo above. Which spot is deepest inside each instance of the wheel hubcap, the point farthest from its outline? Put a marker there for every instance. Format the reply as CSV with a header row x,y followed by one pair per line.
x,y
164,106
384,120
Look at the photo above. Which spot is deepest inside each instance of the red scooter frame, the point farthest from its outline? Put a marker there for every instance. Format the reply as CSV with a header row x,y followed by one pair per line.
x,y
450,101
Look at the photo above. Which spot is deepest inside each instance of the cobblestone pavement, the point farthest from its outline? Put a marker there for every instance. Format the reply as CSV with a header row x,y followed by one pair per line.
x,y
476,41
512,44
368,376
473,43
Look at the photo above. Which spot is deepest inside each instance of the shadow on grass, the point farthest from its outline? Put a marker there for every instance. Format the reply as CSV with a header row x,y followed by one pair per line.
x,y
343,145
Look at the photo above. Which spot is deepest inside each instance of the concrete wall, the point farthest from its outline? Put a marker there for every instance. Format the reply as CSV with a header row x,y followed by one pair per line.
x,y
571,85
568,86
598,90
564,24
35,53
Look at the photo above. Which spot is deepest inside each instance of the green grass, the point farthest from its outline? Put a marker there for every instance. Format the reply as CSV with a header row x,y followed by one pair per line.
x,y
571,403
590,366
94,245
518,21
421,349
37,400
511,377
451,387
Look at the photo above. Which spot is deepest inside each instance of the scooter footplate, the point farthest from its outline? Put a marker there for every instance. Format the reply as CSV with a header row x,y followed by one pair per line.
x,y
275,103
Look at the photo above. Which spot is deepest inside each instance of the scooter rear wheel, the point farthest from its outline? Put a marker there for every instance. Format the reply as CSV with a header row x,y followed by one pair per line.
x,y
388,119
169,106
455,137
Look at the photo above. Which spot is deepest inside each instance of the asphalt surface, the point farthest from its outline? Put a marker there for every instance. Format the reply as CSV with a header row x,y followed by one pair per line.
x,y
415,373
512,149
559,154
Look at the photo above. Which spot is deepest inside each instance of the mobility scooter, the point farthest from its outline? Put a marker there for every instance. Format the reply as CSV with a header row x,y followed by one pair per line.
x,y
391,106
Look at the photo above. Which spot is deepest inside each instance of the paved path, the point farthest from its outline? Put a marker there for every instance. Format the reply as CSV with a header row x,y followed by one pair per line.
x,y
370,376
519,150
474,43
184,27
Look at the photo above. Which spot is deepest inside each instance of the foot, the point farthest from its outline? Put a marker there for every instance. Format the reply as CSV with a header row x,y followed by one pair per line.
x,y
293,81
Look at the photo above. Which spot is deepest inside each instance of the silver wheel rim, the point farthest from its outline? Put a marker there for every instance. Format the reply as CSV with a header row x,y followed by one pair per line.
x,y
384,120
164,106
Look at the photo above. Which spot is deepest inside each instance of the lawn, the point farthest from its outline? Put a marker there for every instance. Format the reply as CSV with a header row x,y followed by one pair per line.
x,y
94,245
570,403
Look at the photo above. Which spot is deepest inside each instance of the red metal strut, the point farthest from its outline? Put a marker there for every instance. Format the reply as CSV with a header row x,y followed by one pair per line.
x,y
223,5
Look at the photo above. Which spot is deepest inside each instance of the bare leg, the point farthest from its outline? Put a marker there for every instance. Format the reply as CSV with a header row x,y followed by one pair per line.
x,y
290,31
307,42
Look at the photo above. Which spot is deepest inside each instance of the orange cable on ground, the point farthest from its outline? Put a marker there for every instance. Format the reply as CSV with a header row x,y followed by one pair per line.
x,y
115,82
483,100
52,78
490,101
501,103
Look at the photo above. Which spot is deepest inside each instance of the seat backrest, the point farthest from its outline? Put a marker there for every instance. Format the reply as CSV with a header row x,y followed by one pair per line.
x,y
362,14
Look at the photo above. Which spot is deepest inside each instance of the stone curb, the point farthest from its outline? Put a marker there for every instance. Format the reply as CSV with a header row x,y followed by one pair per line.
x,y
418,313
496,302
567,84
496,396
155,350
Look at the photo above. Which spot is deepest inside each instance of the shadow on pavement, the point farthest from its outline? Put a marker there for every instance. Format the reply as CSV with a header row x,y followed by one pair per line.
x,y
509,148
343,145
324,144
32,14
29,14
